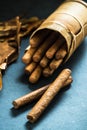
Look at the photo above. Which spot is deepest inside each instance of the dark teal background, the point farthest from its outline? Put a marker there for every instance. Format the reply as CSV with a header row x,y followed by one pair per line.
x,y
68,111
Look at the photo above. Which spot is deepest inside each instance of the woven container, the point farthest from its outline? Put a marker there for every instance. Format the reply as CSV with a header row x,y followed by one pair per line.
x,y
70,20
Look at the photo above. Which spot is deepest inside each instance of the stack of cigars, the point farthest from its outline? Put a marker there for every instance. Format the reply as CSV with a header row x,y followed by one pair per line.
x,y
56,39
44,55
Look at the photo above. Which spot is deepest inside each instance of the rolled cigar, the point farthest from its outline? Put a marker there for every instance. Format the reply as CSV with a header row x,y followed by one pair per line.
x,y
55,64
47,71
52,50
43,48
44,61
48,96
37,39
29,68
28,55
28,98
35,75
61,53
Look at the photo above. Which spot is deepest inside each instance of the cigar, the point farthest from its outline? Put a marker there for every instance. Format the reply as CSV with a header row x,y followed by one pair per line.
x,y
55,64
48,96
44,62
52,50
43,48
28,55
39,38
35,75
29,68
61,53
47,71
32,96
28,98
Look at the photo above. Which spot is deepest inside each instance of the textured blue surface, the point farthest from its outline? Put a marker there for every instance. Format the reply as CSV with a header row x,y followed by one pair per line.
x,y
68,109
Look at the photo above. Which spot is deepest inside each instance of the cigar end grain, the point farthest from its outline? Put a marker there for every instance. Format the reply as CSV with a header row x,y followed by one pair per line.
x,y
15,104
32,79
30,118
26,58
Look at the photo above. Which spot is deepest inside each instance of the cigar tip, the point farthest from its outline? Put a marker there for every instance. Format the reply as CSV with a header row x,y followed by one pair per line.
x,y
36,58
70,77
32,80
42,64
27,71
68,70
15,104
25,60
30,118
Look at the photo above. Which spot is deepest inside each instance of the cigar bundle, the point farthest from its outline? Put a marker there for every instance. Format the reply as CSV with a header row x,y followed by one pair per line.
x,y
56,39
11,33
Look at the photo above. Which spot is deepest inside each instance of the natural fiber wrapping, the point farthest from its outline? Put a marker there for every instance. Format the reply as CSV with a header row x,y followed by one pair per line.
x,y
70,20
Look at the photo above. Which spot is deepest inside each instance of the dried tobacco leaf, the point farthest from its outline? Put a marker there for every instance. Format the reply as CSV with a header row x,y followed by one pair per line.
x,y
11,32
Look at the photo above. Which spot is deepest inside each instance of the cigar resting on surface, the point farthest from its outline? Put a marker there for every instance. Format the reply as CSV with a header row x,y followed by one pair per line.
x,y
35,75
44,46
28,55
48,96
28,98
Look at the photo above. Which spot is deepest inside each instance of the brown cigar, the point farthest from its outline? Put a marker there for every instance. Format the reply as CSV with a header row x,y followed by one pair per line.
x,y
52,50
39,38
44,61
43,48
35,75
61,53
48,96
29,68
55,63
28,98
28,55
